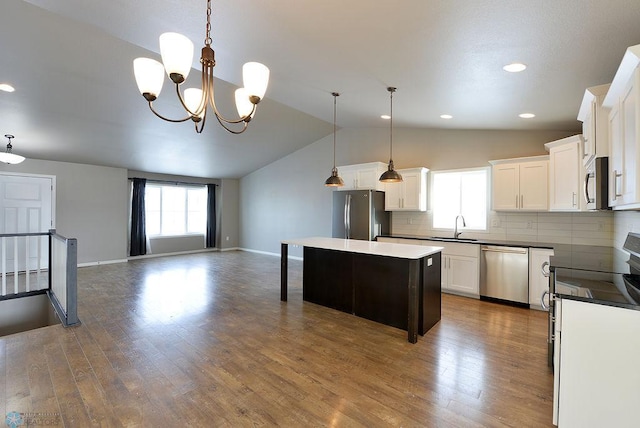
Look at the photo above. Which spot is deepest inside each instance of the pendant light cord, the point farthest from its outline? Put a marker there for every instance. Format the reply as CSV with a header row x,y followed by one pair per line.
x,y
335,95
391,91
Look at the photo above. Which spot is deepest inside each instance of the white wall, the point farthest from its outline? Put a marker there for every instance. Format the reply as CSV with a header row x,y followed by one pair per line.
x,y
91,206
287,198
229,214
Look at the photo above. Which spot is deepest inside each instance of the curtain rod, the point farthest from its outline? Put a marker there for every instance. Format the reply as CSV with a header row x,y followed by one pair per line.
x,y
150,180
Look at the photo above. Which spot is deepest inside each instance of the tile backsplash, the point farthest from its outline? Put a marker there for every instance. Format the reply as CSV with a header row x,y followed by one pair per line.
x,y
625,222
584,228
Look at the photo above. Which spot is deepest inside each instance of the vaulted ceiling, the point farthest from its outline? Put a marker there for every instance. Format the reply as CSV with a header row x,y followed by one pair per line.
x,y
76,99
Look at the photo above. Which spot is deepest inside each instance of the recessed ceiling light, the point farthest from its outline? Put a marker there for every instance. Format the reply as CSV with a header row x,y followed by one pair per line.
x,y
515,67
446,116
385,117
6,87
527,115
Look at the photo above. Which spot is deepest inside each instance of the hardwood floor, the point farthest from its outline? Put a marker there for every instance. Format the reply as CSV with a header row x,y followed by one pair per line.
x,y
203,340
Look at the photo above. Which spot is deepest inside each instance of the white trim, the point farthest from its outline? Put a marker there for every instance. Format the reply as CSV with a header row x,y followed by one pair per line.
x,y
104,262
267,253
176,253
230,249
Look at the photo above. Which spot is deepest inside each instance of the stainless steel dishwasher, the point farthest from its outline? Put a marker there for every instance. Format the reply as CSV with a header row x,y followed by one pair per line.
x,y
504,273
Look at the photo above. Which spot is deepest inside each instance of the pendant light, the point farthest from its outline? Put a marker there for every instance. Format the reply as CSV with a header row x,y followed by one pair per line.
x,y
391,175
334,180
8,156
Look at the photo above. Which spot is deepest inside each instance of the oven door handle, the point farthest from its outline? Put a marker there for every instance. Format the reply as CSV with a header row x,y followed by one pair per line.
x,y
542,303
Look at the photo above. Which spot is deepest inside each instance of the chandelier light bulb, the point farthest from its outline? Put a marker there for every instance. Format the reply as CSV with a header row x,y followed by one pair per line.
x,y
149,75
243,104
177,55
193,101
255,77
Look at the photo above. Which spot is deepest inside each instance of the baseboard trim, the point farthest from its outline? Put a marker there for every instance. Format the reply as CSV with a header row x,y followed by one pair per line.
x,y
230,249
103,262
175,253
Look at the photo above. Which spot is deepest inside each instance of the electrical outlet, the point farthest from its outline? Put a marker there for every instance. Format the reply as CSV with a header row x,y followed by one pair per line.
x,y
227,238
601,226
529,224
495,222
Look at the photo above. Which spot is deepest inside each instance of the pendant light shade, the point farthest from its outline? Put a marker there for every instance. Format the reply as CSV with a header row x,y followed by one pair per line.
x,y
8,156
334,180
391,175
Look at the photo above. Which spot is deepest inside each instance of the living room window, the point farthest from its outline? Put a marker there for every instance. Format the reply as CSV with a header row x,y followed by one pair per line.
x,y
460,192
172,210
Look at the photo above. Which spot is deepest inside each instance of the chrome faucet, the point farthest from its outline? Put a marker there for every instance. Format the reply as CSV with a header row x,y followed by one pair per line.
x,y
457,234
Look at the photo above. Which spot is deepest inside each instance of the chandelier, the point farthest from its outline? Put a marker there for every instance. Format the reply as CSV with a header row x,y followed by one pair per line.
x,y
8,156
177,57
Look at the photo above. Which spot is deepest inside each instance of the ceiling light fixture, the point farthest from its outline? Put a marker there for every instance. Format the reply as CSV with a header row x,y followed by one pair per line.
x,y
6,87
527,115
334,180
515,67
391,175
446,116
177,57
8,156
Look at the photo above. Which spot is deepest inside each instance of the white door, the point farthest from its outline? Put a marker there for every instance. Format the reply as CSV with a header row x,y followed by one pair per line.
x,y
26,206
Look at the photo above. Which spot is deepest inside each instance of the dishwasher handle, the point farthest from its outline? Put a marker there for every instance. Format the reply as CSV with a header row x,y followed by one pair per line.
x,y
504,250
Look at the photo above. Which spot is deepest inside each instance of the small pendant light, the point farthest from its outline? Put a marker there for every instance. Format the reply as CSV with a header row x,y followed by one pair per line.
x,y
391,175
8,156
334,180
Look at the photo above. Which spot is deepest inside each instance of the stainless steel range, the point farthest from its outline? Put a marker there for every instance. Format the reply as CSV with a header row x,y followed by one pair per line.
x,y
602,275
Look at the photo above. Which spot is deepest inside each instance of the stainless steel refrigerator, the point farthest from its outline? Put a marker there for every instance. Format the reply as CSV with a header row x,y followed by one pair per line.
x,y
359,214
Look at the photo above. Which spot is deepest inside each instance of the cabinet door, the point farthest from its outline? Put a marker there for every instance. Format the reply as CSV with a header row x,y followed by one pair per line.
x,y
348,175
412,191
463,275
505,186
616,158
564,177
393,196
368,178
444,275
538,276
629,107
534,186
589,135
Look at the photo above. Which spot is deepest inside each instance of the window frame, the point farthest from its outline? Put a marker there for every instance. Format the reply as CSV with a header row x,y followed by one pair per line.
x,y
185,206
487,170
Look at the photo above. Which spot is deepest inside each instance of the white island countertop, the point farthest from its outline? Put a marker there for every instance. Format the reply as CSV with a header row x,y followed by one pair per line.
x,y
387,249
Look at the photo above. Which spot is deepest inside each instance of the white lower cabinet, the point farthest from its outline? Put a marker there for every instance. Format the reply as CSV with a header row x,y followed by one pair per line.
x,y
460,268
596,374
539,277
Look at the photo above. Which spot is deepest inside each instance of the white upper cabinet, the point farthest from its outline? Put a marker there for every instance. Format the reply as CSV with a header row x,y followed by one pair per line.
x,y
566,171
623,98
520,184
363,176
410,194
595,124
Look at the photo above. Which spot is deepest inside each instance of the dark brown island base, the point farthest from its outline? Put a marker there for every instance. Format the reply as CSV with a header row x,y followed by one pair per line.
x,y
394,284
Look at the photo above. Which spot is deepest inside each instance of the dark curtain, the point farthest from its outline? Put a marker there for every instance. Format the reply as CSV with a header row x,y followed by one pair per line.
x,y
211,216
138,230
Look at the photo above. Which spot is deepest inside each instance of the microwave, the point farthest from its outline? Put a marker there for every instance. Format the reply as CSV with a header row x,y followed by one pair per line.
x,y
596,184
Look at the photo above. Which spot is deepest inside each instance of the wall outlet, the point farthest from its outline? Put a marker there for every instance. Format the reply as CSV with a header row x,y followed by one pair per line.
x,y
409,220
495,222
529,224
601,226
227,238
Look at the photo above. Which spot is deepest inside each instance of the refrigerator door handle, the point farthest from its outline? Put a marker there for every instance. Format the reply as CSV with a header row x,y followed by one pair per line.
x,y
348,217
346,204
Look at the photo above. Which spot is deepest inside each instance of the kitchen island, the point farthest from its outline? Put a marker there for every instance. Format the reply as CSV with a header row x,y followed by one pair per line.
x,y
394,284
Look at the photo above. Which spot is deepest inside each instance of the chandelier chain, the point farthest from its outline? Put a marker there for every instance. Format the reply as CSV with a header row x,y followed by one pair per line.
x,y
207,40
